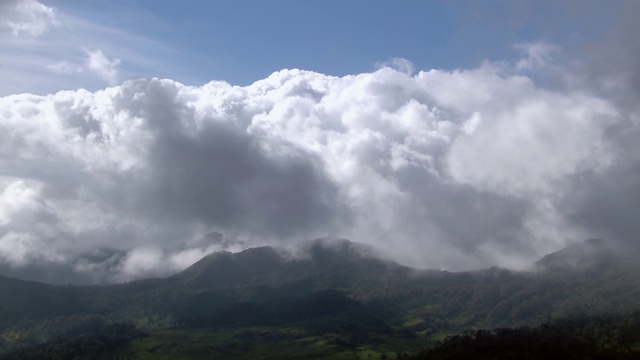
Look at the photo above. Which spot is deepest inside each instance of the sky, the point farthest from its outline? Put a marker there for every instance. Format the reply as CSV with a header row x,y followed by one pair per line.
x,y
137,137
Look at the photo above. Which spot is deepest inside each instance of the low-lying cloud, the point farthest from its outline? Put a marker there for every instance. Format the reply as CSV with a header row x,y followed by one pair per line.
x,y
442,169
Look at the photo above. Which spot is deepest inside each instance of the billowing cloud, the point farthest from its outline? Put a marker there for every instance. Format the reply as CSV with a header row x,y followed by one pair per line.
x,y
26,17
441,169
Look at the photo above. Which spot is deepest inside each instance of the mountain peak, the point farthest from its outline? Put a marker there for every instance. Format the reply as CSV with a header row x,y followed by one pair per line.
x,y
330,258
224,269
591,254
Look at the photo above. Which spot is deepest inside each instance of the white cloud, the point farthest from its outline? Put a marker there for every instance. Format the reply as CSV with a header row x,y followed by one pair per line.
x,y
400,64
106,68
446,169
549,136
16,197
26,17
96,62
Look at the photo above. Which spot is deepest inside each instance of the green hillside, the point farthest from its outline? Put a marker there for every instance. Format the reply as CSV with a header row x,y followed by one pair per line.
x,y
336,300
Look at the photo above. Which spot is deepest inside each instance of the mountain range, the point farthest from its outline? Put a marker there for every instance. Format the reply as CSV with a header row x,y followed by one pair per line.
x,y
335,299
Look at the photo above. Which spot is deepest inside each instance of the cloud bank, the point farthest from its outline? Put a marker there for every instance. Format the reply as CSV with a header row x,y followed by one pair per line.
x,y
442,169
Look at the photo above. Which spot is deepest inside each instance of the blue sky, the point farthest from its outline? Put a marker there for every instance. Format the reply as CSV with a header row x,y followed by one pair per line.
x,y
244,41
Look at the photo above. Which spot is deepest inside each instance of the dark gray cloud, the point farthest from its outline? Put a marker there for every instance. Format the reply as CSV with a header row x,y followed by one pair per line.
x,y
610,65
223,177
605,202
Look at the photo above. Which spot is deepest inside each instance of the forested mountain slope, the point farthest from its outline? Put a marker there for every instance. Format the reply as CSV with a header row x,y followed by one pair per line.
x,y
336,292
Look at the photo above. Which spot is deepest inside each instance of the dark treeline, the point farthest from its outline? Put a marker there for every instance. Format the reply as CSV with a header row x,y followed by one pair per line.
x,y
101,342
578,337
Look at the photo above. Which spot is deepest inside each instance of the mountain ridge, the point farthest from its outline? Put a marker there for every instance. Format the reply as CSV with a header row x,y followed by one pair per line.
x,y
576,255
267,282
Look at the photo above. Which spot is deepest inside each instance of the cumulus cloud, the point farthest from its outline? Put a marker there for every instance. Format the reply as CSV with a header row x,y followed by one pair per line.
x,y
443,169
26,17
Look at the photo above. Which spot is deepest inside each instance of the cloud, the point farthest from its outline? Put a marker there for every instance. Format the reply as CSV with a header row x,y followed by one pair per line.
x,y
400,64
536,55
103,66
64,55
26,17
65,67
604,201
96,61
442,169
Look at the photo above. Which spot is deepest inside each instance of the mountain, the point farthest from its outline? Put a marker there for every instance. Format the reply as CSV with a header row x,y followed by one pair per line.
x,y
325,264
336,294
590,255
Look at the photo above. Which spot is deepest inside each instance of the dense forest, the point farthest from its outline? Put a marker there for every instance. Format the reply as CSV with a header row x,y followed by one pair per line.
x,y
578,337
